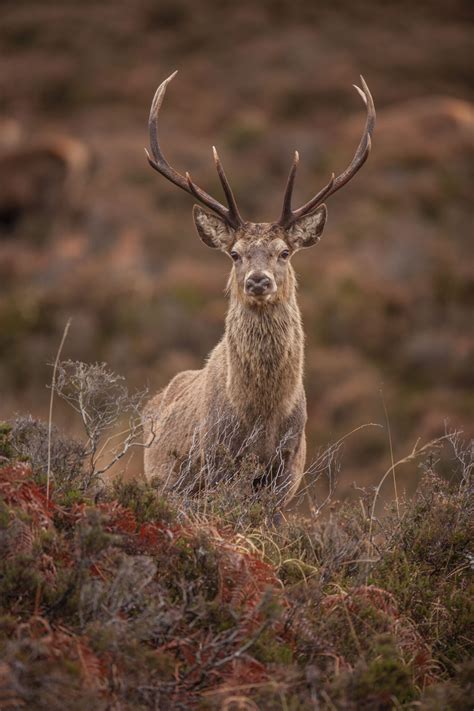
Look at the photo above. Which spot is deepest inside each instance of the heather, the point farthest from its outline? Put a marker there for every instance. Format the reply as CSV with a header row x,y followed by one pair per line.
x,y
123,595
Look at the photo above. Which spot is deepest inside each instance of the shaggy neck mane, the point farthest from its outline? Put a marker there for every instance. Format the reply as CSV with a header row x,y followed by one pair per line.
x,y
264,347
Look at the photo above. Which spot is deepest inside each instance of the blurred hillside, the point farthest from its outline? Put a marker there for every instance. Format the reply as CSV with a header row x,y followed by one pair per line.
x,y
88,230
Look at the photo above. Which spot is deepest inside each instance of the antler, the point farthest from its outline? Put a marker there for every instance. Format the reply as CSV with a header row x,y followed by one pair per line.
x,y
288,216
157,161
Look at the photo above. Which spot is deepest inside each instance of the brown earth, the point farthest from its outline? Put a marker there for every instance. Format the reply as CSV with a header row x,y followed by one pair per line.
x,y
88,230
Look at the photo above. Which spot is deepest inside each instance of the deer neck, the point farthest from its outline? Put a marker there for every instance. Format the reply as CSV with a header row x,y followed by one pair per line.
x,y
264,350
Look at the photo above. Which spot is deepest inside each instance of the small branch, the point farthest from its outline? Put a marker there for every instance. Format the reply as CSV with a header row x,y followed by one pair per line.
x,y
126,446
50,419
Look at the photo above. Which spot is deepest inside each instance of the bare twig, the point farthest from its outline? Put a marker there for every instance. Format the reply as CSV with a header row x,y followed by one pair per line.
x,y
51,399
101,399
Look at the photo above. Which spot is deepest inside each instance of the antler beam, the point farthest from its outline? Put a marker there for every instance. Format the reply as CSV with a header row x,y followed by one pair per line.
x,y
157,161
288,215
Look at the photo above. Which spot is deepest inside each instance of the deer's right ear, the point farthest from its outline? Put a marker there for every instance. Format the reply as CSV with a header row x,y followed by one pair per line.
x,y
213,230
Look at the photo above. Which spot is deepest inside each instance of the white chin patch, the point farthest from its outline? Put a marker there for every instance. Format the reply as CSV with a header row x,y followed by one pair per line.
x,y
260,299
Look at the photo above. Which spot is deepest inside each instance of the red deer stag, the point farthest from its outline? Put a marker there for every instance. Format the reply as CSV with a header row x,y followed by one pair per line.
x,y
250,393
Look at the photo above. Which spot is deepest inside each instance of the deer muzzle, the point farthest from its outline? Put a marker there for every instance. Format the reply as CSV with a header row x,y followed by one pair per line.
x,y
259,284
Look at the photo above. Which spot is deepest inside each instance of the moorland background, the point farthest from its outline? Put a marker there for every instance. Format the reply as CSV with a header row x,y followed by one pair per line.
x,y
89,231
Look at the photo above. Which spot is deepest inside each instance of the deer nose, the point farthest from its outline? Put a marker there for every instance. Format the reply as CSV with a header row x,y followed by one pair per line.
x,y
257,284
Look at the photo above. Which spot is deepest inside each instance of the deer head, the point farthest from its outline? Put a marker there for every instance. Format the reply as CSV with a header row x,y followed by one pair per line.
x,y
261,252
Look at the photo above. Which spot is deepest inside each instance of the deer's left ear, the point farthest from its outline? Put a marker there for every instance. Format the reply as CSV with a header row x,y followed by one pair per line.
x,y
307,230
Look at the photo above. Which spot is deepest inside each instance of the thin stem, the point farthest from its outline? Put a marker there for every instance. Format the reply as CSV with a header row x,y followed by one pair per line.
x,y
414,454
392,460
50,418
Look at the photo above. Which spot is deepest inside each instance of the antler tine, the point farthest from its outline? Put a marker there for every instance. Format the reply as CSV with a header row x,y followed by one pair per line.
x,y
286,212
360,156
160,164
229,195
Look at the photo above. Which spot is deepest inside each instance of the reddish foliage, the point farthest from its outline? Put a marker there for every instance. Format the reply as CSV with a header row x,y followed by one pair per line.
x,y
243,578
151,535
117,518
18,490
401,627
61,644
241,581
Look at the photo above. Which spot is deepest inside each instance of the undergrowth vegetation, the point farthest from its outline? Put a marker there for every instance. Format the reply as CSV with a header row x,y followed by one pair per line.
x,y
121,596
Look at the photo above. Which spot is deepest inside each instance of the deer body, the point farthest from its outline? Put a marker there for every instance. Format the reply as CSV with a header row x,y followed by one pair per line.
x,y
251,388
249,397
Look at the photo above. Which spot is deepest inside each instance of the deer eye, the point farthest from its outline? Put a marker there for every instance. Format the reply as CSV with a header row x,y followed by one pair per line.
x,y
284,255
235,256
